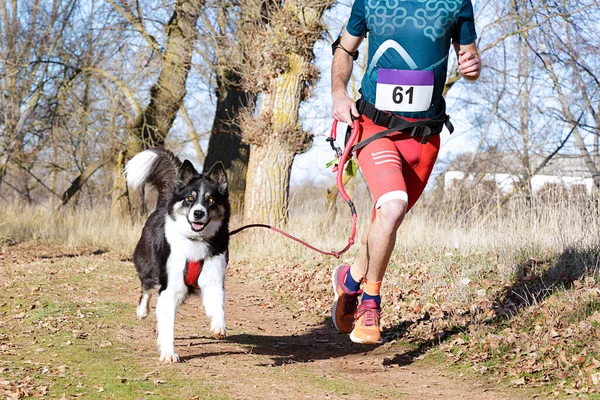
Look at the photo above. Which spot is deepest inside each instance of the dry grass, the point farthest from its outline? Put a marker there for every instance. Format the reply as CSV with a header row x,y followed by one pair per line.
x,y
82,227
430,231
450,272
460,248
455,246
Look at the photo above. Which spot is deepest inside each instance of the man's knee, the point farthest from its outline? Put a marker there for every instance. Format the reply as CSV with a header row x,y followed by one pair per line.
x,y
391,213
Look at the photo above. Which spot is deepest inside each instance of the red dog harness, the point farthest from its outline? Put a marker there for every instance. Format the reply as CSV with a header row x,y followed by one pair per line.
x,y
192,272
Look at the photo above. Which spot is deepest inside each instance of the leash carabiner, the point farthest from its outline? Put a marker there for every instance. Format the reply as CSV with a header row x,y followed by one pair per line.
x,y
331,140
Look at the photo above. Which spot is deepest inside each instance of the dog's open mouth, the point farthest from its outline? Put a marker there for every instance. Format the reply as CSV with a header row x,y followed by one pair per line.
x,y
198,226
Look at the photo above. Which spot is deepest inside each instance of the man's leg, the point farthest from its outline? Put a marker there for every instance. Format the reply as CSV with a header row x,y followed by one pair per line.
x,y
392,169
374,255
381,165
378,241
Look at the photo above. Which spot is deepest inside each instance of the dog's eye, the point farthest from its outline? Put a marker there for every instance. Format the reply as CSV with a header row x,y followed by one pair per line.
x,y
210,200
190,198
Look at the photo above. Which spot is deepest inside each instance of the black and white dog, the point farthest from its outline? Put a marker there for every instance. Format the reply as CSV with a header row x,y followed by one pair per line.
x,y
183,248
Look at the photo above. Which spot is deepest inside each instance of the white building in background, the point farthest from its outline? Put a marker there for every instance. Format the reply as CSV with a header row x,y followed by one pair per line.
x,y
568,172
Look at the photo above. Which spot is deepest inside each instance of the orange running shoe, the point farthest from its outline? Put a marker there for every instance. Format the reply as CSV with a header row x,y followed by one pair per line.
x,y
345,302
366,325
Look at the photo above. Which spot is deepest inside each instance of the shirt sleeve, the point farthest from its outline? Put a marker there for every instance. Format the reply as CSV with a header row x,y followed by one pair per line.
x,y
357,25
464,29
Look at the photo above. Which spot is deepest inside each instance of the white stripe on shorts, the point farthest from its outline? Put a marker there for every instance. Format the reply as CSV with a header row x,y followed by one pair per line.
x,y
395,195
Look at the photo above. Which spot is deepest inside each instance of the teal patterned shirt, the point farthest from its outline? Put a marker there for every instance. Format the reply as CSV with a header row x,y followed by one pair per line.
x,y
411,35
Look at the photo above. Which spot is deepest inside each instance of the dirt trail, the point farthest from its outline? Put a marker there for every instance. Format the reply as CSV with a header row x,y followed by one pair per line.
x,y
272,350
278,353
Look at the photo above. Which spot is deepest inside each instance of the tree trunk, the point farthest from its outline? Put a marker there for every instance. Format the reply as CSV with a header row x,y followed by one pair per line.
x,y
167,94
276,138
267,191
524,113
278,50
225,143
78,183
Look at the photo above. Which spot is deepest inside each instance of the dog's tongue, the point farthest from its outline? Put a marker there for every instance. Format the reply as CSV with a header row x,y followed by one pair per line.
x,y
197,226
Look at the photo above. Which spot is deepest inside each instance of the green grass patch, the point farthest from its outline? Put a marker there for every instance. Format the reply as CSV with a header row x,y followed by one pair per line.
x,y
76,348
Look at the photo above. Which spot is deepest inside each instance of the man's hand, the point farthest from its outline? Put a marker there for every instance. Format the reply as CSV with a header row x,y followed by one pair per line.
x,y
344,108
469,63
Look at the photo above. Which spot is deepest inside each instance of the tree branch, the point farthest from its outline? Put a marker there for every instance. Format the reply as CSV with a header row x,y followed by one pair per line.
x,y
138,25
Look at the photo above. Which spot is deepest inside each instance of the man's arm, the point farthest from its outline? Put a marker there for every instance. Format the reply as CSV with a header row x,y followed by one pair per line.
x,y
341,70
468,60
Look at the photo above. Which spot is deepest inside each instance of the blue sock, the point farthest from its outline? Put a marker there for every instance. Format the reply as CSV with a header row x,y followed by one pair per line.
x,y
350,283
367,296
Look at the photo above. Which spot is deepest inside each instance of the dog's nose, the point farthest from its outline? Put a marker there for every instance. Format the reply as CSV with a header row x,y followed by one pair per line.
x,y
198,214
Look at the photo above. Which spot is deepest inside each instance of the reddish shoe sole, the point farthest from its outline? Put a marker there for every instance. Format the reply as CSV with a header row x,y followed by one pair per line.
x,y
335,303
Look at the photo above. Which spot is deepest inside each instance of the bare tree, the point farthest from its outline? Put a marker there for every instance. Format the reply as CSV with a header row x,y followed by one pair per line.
x,y
566,56
31,31
225,143
73,77
539,90
166,95
278,43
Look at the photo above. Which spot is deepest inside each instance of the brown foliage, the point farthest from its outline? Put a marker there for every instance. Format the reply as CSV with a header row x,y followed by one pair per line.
x,y
272,31
259,130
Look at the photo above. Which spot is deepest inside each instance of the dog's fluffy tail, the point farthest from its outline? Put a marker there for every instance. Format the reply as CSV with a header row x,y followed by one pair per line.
x,y
157,167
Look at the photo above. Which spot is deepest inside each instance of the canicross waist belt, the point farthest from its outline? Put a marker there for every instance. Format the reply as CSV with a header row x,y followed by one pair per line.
x,y
423,128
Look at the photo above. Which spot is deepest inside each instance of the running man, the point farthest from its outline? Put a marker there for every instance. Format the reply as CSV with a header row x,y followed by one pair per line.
x,y
409,42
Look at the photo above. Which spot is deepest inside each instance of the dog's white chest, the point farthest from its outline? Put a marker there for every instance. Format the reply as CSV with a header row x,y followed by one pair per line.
x,y
182,247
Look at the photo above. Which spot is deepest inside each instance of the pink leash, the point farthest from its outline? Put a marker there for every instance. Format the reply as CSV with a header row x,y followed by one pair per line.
x,y
342,158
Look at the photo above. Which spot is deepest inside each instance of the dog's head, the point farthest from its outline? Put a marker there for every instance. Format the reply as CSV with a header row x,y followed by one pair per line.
x,y
200,202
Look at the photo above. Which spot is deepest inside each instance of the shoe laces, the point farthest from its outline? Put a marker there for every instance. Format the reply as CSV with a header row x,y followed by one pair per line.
x,y
371,315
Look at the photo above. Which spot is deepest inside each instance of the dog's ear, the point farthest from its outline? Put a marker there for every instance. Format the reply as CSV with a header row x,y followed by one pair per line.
x,y
186,173
218,175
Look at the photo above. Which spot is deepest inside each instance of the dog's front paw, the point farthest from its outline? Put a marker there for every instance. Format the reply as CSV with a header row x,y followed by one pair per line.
x,y
142,311
219,335
169,358
218,330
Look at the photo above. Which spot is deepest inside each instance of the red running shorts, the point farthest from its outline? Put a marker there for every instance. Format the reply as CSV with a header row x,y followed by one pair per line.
x,y
396,167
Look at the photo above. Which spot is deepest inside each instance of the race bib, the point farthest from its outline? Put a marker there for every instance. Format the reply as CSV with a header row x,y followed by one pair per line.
x,y
404,90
